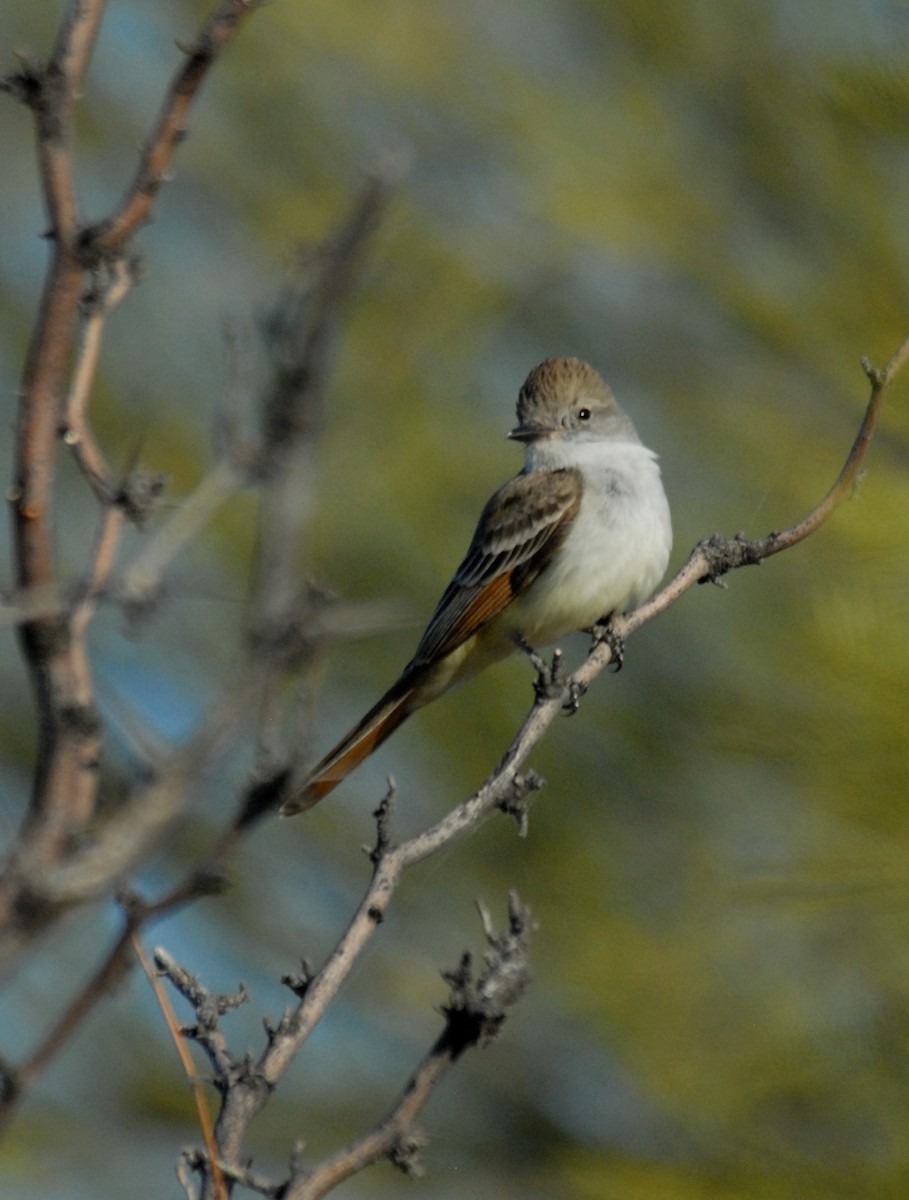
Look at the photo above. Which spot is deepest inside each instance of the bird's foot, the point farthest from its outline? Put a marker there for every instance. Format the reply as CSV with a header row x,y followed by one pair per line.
x,y
525,647
604,632
576,690
550,680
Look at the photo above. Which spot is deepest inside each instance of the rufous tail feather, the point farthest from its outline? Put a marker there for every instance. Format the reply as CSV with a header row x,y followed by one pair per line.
x,y
379,723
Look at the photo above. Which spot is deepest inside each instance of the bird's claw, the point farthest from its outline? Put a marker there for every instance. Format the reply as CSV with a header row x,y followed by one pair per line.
x,y
575,691
605,633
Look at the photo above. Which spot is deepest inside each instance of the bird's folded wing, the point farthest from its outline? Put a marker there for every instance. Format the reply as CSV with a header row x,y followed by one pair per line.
x,y
519,531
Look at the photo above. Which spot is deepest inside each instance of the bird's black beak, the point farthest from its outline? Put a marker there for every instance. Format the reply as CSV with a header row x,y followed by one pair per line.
x,y
529,432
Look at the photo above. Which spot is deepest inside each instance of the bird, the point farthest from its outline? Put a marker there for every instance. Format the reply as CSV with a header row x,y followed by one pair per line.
x,y
583,533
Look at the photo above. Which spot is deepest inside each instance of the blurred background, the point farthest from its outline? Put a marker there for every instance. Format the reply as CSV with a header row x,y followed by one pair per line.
x,y
709,202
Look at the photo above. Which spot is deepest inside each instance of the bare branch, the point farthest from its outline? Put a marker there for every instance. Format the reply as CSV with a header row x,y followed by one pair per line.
x,y
137,913
52,96
186,1059
475,1011
299,333
170,128
195,1160
112,284
476,1008
140,583
51,93
66,778
715,556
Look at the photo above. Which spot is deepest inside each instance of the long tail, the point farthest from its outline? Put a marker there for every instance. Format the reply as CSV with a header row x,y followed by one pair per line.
x,y
379,723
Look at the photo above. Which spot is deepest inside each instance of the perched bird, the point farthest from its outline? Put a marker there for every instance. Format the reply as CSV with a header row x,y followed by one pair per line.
x,y
581,534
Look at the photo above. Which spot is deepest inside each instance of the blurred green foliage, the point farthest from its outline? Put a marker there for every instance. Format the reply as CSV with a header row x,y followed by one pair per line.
x,y
708,201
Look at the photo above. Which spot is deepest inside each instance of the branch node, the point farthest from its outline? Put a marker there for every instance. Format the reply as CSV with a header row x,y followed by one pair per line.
x,y
406,1153
299,983
187,1163
876,377
135,907
209,1006
197,1160
478,1003
382,817
272,1028
110,279
514,802
27,85
722,554
138,495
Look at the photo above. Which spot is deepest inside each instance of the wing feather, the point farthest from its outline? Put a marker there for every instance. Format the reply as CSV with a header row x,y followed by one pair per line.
x,y
519,530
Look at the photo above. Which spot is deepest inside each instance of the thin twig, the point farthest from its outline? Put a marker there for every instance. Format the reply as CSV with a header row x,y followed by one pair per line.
x,y
204,880
104,297
475,1012
140,582
101,982
186,1060
300,331
715,556
171,125
288,623
61,83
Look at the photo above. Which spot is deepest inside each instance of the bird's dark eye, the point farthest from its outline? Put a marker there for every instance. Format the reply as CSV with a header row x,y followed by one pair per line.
x,y
583,414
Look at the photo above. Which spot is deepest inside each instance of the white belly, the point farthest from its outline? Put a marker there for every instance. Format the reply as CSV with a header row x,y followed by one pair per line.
x,y
613,558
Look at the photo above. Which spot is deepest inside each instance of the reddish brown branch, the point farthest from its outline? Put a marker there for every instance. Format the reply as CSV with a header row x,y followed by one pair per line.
x,y
170,127
69,741
66,777
54,102
112,285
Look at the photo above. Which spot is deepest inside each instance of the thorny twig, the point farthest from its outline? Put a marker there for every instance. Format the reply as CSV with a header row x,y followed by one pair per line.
x,y
477,1006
